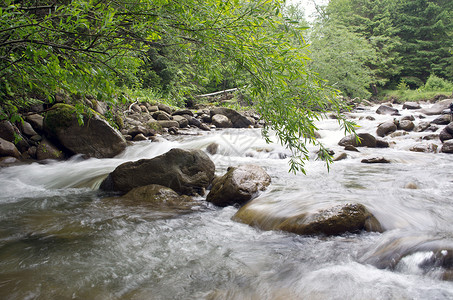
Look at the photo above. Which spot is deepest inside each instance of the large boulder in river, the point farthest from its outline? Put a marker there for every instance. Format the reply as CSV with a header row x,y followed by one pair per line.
x,y
185,171
238,120
387,110
331,221
238,185
386,128
437,108
446,133
447,147
221,121
364,140
95,138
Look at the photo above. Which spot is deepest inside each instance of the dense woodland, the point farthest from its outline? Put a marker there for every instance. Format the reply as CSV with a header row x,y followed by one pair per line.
x,y
290,70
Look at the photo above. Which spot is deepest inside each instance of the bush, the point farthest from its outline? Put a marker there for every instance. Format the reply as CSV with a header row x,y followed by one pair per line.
x,y
435,83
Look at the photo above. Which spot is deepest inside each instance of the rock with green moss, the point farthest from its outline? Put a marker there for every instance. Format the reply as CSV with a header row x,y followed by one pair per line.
x,y
95,138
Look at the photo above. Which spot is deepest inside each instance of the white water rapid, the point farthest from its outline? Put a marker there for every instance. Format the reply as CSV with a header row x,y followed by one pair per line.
x,y
59,239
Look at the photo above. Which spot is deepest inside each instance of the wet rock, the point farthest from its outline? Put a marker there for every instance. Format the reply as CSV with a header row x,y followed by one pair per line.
x,y
204,127
182,121
449,128
365,140
6,161
7,131
238,185
340,156
446,134
381,143
162,115
423,147
408,118
194,122
238,120
411,105
430,137
181,112
447,147
351,148
442,120
47,150
165,108
212,148
406,125
37,121
437,108
371,118
336,220
205,118
168,124
411,186
375,160
27,129
8,149
186,172
139,137
387,110
422,126
95,138
386,128
221,121
137,130
157,197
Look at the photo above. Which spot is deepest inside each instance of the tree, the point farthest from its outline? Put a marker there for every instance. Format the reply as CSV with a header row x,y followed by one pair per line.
x,y
83,47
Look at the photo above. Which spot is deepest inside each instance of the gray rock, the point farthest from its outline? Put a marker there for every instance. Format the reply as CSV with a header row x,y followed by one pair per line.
x,y
406,125
168,124
365,140
7,131
447,147
423,147
387,110
212,148
8,149
386,128
27,129
186,172
139,137
204,127
162,115
165,108
442,120
221,121
375,160
47,150
37,121
238,185
183,122
411,105
445,135
381,143
437,108
422,126
181,112
238,120
95,138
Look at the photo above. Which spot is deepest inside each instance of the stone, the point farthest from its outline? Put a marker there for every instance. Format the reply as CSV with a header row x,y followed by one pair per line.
x,y
411,105
238,185
27,129
365,140
437,108
422,126
6,161
47,150
381,143
449,128
162,115
387,110
182,121
152,108
406,125
205,118
37,121
424,147
185,171
340,156
7,131
168,124
204,127
238,120
181,112
447,147
157,197
139,137
337,220
137,130
375,160
212,148
95,138
386,128
221,121
445,135
194,122
165,108
8,149
351,148
442,120
409,118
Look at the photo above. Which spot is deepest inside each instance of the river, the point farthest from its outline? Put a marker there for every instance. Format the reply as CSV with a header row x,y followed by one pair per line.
x,y
60,239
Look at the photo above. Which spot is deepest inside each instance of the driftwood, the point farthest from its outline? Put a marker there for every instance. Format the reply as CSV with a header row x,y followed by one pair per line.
x,y
216,93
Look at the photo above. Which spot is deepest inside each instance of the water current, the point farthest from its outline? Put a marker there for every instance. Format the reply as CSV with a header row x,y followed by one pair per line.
x,y
60,239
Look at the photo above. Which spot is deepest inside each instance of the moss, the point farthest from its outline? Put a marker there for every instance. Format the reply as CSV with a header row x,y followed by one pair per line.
x,y
155,126
61,115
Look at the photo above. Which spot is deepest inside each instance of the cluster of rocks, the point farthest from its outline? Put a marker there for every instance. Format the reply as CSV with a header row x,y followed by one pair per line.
x,y
396,127
62,131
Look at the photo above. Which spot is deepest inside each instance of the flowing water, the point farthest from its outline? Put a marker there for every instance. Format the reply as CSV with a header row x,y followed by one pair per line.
x,y
60,239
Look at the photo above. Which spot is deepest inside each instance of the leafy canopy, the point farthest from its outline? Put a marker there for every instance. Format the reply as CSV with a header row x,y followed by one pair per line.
x,y
85,47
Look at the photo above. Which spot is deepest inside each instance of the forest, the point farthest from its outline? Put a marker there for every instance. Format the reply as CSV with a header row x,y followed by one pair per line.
x,y
290,70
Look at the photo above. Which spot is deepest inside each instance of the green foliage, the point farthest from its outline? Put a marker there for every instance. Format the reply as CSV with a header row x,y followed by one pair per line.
x,y
435,83
402,86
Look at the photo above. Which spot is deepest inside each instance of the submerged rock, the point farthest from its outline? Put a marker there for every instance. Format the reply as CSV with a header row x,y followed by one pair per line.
x,y
185,171
95,138
375,160
336,220
238,185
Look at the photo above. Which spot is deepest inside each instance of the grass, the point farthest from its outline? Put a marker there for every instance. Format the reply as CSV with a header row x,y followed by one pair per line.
x,y
413,95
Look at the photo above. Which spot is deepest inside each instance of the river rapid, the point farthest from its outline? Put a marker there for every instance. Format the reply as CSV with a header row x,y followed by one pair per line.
x,y
60,239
